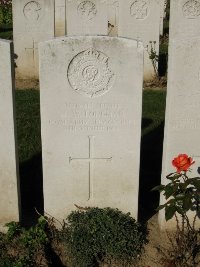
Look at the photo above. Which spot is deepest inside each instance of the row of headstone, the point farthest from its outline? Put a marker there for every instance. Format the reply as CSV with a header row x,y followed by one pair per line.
x,y
84,114
33,22
182,123
9,183
112,14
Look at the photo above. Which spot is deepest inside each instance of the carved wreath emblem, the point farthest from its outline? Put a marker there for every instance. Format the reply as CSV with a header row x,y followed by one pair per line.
x,y
191,9
32,11
139,9
89,73
87,10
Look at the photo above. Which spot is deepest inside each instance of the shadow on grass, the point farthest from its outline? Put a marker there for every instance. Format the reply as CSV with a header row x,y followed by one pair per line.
x,y
31,183
150,171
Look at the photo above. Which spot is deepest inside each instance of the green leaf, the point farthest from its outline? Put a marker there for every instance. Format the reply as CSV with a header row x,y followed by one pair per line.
x,y
196,183
187,203
173,176
180,196
158,188
169,190
169,212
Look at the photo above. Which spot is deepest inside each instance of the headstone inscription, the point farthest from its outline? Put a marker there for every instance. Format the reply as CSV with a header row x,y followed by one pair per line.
x,y
140,19
60,17
9,204
33,21
182,122
91,100
86,17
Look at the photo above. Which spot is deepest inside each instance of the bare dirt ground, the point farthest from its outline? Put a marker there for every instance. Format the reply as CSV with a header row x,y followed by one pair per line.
x,y
158,240
26,84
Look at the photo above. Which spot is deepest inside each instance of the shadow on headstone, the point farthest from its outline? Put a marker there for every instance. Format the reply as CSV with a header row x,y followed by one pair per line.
x,y
31,183
150,171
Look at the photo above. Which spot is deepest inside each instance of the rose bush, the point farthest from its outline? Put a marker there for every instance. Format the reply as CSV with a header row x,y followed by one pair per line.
x,y
182,195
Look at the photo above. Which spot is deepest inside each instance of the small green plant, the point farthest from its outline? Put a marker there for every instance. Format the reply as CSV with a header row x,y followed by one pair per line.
x,y
183,195
5,12
22,247
153,56
105,235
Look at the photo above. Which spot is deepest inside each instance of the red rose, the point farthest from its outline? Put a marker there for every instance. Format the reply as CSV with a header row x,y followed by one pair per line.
x,y
182,162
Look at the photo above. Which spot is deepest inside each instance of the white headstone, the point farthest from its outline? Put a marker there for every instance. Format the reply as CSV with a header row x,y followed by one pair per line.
x,y
60,17
9,204
184,19
140,19
162,13
86,17
182,122
33,22
91,102
113,17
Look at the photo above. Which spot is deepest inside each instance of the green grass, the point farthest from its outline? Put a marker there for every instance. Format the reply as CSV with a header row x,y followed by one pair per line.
x,y
153,110
28,123
6,32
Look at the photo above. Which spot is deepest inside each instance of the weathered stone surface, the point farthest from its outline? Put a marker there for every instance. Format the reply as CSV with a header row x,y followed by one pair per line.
x,y
113,17
182,123
140,19
184,19
91,101
60,17
86,17
9,204
33,22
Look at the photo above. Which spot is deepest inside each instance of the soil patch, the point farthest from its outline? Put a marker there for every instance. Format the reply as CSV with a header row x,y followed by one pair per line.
x,y
26,84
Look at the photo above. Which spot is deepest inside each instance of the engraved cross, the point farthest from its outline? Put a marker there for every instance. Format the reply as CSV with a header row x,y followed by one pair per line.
x,y
33,48
90,160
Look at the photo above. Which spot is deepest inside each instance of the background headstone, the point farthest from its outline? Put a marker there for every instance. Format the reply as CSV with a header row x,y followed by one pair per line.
x,y
113,17
91,103
184,19
162,14
182,122
140,19
60,17
9,203
86,17
33,22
